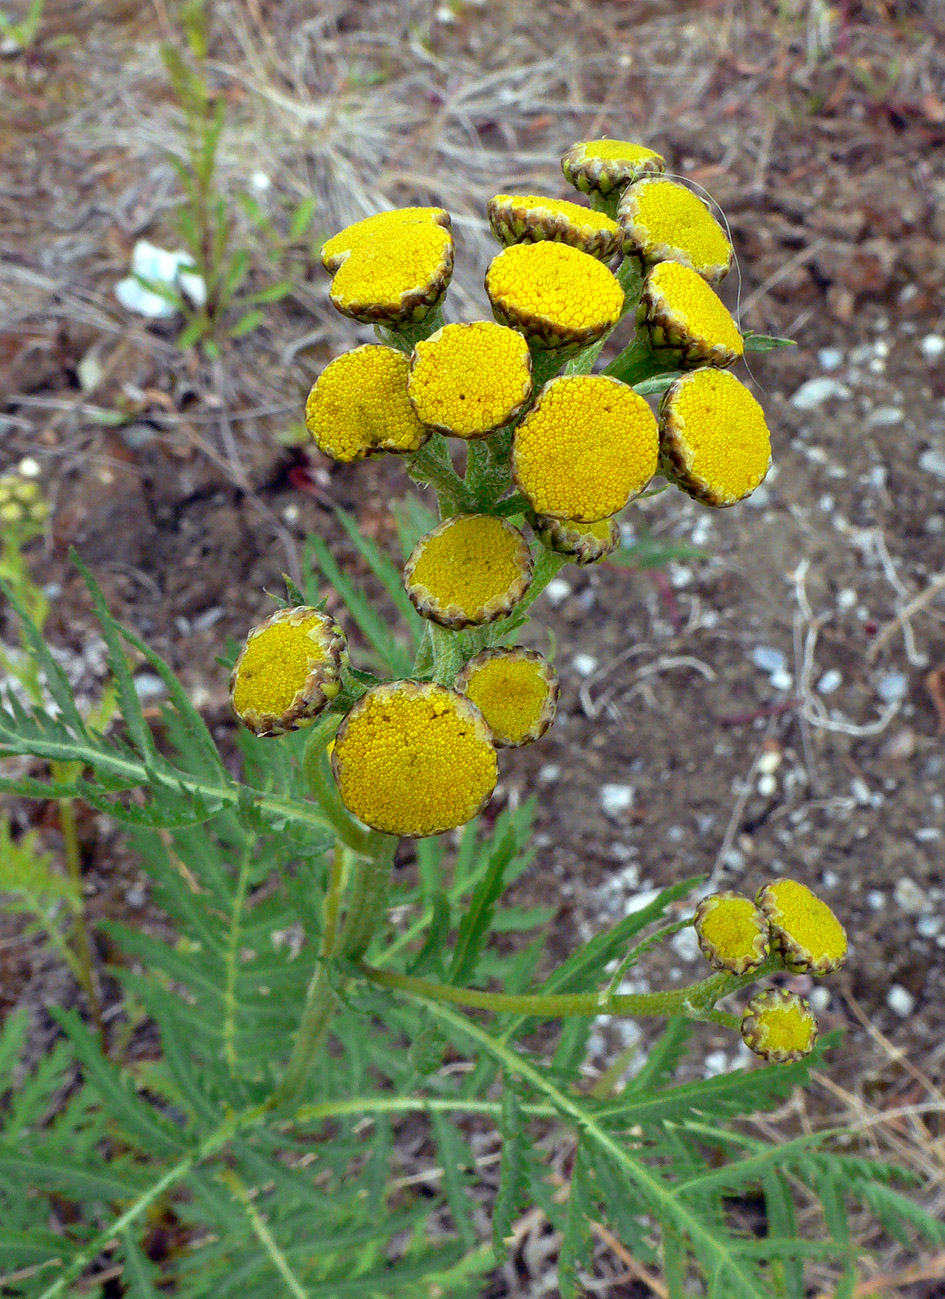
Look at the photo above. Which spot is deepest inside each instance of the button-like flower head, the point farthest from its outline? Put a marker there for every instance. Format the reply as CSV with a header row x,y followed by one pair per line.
x,y
779,1026
732,932
583,543
605,166
714,442
555,294
516,690
391,268
23,509
468,380
471,569
688,322
665,222
287,671
529,218
359,405
414,758
587,446
809,936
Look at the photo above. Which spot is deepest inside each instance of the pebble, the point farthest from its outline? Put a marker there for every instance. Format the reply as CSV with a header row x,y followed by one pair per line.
x,y
769,761
928,833
892,687
28,467
932,346
549,773
782,680
876,900
815,392
138,435
830,358
933,462
615,800
846,599
830,879
641,900
714,1064
685,944
558,591
209,618
584,664
910,897
884,416
829,682
148,685
768,659
767,785
899,1001
928,926
136,896
860,791
819,999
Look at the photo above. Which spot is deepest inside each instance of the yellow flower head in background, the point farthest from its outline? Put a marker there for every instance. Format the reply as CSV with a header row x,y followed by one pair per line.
x,y
714,441
516,690
583,543
608,166
23,508
779,1026
555,294
663,221
809,936
687,320
529,218
359,405
587,446
414,758
287,671
468,380
732,932
392,268
471,569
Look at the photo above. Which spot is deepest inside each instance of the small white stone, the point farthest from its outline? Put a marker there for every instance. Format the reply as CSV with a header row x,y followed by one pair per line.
x,y
136,896
932,346
584,664
876,478
880,347
928,833
685,944
928,926
815,392
782,680
558,591
715,1063
148,685
615,800
900,1001
860,791
846,599
767,658
260,182
829,879
638,902
769,761
830,358
819,999
876,900
28,467
549,773
910,897
933,462
291,514
680,576
829,682
767,785
885,416
892,687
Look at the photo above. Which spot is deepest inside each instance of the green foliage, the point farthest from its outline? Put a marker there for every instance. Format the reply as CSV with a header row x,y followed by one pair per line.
x,y
23,33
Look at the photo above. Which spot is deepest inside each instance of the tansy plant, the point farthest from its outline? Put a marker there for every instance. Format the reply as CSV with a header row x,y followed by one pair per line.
x,y
347,1087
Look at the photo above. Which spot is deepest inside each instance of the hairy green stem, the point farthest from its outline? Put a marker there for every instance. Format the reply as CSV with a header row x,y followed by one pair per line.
x,y
694,1002
432,466
324,790
368,898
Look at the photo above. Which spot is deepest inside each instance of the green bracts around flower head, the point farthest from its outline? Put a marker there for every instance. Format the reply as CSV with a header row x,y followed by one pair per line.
x,y
607,167
288,670
470,570
531,218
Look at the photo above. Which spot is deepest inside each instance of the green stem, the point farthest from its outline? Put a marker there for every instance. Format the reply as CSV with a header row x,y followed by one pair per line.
x,y
368,898
406,337
546,362
432,466
694,1002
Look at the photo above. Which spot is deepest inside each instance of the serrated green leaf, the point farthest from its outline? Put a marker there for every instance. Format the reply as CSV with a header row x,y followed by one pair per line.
x,y
576,1242
513,1171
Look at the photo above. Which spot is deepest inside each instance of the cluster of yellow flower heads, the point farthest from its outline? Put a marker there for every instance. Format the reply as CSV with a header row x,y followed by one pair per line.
x,y
785,920
559,454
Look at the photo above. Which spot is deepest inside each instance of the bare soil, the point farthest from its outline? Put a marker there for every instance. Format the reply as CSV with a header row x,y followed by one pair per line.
x,y
774,704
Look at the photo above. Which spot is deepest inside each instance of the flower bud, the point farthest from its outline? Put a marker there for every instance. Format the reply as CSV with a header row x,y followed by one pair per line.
x,y
732,932
359,406
468,380
530,218
583,543
288,670
664,221
689,324
470,570
607,166
808,935
556,295
516,690
779,1026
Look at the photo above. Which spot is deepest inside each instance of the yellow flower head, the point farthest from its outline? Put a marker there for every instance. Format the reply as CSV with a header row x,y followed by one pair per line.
x,y
516,690
714,442
23,509
688,322
732,932
414,758
468,380
603,166
779,1026
583,543
391,268
359,405
587,446
555,294
529,218
287,671
665,222
471,569
809,936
